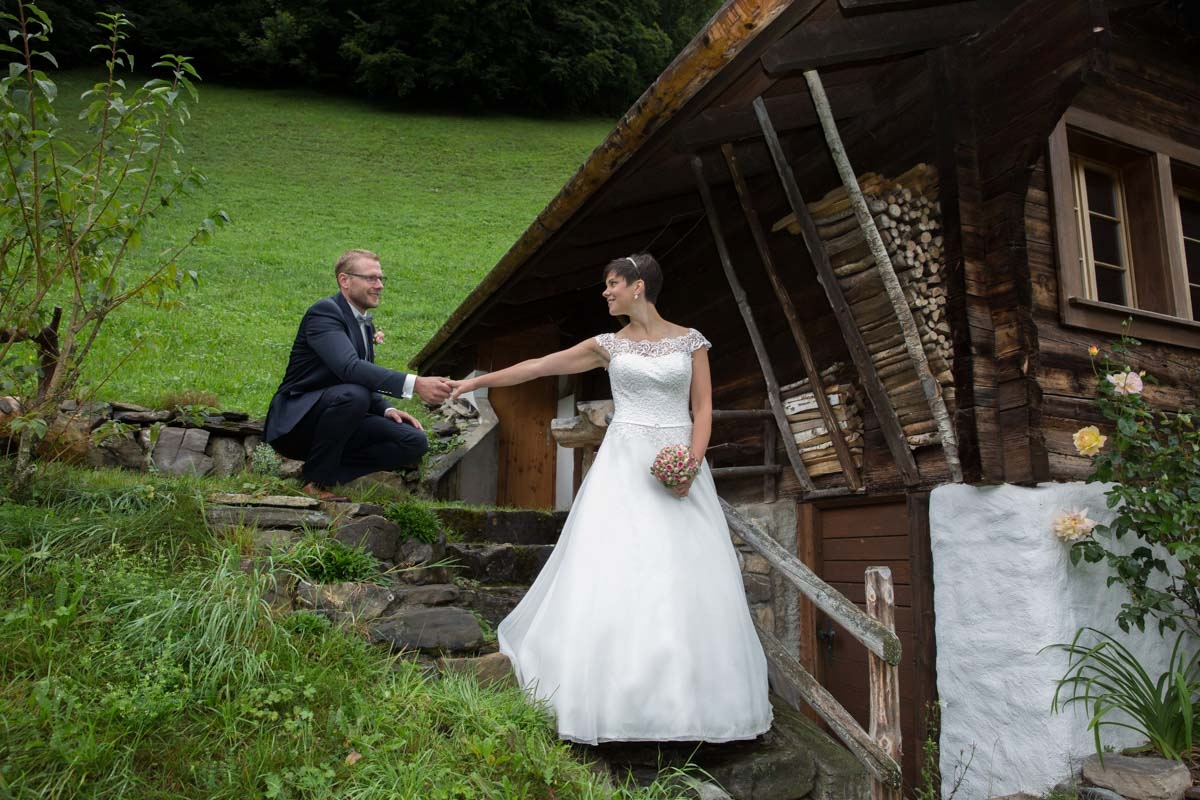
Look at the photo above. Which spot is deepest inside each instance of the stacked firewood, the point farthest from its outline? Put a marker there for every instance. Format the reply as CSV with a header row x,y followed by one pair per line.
x,y
809,428
908,216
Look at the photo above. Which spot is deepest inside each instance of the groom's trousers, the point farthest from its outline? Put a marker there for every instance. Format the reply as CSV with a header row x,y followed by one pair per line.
x,y
340,440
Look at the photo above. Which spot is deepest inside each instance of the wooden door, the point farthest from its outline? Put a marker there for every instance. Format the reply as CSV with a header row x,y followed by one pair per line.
x,y
839,540
527,453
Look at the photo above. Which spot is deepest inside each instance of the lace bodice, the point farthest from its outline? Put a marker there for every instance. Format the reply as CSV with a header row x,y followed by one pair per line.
x,y
651,381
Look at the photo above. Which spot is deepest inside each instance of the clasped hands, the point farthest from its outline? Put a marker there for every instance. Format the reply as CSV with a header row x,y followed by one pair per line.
x,y
432,390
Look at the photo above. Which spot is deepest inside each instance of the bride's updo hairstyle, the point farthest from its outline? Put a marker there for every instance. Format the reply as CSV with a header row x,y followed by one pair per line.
x,y
639,266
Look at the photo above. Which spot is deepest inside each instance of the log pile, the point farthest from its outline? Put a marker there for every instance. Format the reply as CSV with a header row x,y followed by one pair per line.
x,y
809,429
908,215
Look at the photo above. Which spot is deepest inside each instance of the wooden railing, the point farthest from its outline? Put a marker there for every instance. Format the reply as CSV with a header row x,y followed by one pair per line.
x,y
877,749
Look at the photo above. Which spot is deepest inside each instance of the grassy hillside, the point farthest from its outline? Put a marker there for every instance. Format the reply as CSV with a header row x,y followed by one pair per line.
x,y
305,177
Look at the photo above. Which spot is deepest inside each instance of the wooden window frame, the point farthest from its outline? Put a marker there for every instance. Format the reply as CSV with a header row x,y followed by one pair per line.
x,y
1083,227
1177,242
1076,306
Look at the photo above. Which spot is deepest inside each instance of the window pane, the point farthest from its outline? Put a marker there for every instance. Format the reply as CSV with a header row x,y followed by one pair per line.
x,y
1106,241
1189,213
1191,252
1101,192
1110,285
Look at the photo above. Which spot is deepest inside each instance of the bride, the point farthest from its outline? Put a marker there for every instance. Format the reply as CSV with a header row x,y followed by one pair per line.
x,y
637,628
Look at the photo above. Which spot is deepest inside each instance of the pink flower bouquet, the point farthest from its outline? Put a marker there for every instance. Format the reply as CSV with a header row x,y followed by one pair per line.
x,y
674,465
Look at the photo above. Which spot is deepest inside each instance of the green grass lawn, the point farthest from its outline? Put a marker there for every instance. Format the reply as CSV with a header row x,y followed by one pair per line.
x,y
305,177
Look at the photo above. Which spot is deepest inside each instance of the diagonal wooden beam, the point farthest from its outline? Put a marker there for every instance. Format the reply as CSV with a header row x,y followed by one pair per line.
x,y
720,125
793,319
889,423
760,350
891,283
839,41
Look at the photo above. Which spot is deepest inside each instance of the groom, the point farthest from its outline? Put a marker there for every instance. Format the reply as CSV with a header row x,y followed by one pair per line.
x,y
330,411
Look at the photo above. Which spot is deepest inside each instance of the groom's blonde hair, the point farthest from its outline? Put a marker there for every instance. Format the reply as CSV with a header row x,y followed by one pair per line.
x,y
349,258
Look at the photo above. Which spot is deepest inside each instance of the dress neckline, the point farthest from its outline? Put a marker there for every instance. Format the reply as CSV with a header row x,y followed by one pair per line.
x,y
620,338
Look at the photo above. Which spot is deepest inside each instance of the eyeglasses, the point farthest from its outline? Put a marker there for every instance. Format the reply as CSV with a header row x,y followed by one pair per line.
x,y
368,278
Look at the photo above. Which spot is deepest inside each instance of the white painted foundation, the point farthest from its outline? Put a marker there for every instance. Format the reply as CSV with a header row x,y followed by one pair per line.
x,y
1004,588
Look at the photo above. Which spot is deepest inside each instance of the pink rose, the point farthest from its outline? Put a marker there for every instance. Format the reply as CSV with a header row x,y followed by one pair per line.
x,y
378,337
1126,382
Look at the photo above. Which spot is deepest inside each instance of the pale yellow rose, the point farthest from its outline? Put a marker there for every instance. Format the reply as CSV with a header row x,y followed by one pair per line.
x,y
1089,440
1072,525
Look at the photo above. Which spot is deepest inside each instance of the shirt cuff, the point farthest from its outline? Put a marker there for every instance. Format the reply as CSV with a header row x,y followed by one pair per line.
x,y
409,382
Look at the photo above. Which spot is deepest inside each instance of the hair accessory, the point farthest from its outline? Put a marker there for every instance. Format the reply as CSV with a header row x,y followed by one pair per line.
x,y
635,266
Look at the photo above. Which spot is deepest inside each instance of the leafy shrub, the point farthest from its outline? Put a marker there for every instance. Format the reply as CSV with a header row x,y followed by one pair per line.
x,y
319,558
1106,677
1153,463
415,519
265,461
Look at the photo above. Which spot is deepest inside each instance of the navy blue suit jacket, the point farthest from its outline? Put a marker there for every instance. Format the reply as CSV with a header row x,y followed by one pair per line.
x,y
329,350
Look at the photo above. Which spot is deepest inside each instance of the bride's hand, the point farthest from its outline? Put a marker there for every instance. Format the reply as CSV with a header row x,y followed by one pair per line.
x,y
682,489
460,387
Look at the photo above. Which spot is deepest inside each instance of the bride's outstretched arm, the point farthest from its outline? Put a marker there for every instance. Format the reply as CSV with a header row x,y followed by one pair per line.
x,y
701,403
580,358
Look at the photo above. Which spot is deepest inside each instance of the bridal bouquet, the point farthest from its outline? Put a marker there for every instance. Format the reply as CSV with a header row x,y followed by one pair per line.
x,y
674,465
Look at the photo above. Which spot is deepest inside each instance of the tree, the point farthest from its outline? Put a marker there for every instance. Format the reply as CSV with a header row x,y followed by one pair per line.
x,y
72,214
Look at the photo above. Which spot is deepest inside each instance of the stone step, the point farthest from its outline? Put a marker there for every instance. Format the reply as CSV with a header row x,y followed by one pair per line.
x,y
498,563
443,630
791,761
502,526
492,602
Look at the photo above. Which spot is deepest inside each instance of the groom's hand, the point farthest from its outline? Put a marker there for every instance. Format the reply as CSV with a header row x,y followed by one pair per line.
x,y
396,415
432,390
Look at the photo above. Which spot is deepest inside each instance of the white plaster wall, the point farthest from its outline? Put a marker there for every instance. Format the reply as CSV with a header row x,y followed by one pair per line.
x,y
564,467
1004,588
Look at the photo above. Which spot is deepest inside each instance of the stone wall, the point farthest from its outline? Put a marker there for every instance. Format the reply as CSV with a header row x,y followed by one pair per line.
x,y
134,437
1004,589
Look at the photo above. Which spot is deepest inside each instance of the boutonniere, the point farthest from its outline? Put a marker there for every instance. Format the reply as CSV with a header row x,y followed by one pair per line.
x,y
378,337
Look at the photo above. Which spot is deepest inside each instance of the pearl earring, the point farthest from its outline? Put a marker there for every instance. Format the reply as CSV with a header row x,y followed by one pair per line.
x,y
636,296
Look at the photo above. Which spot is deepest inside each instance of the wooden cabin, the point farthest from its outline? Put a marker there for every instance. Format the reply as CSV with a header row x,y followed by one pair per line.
x,y
1031,172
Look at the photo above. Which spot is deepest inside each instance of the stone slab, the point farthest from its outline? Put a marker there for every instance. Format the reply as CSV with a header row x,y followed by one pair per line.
x,y
180,451
273,501
266,517
1138,778
377,535
228,455
444,630
499,563
361,602
493,669
503,526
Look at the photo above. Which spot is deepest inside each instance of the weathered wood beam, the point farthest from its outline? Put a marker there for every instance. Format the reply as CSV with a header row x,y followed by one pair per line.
x,y
883,679
721,125
874,636
836,436
752,471
760,349
891,283
839,41
868,5
785,669
889,423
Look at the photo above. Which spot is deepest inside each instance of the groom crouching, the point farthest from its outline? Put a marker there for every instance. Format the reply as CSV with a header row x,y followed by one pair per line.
x,y
330,410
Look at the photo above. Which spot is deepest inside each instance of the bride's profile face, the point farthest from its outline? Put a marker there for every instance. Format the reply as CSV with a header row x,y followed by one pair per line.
x,y
619,294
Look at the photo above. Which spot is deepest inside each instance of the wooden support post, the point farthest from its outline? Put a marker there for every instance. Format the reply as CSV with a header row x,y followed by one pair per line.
x,y
884,679
789,312
771,479
891,283
739,295
889,423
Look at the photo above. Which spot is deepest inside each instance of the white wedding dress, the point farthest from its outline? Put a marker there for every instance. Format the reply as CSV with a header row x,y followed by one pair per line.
x,y
637,628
